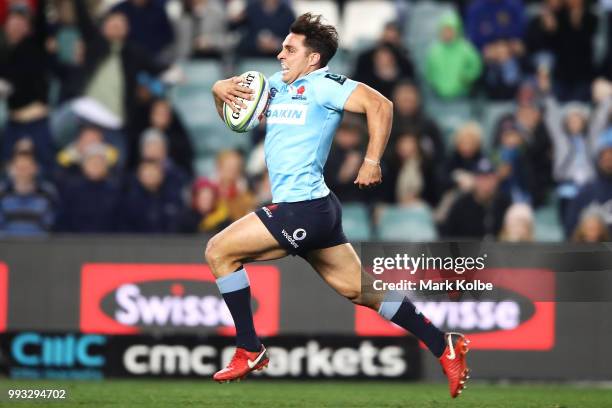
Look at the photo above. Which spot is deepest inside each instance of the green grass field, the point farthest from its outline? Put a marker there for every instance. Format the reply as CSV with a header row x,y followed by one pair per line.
x,y
174,393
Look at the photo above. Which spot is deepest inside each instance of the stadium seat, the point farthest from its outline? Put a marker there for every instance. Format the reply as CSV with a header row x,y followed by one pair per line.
x,y
208,140
422,28
201,73
364,21
448,114
328,9
414,224
195,105
547,226
356,222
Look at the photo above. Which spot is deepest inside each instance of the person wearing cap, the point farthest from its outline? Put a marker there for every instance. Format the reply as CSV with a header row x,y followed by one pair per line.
x,y
90,200
478,214
597,193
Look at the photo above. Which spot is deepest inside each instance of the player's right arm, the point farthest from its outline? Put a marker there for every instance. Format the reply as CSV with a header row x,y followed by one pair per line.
x,y
230,91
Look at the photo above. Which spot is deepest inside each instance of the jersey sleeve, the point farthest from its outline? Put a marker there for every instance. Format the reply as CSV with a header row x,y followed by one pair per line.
x,y
333,90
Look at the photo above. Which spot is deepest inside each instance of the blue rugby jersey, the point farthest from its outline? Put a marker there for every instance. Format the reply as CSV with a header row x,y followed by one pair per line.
x,y
301,122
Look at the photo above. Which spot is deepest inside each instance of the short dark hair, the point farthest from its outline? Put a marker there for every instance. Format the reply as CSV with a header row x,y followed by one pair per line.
x,y
320,38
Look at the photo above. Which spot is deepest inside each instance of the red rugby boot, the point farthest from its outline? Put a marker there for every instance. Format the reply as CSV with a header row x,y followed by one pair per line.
x,y
243,363
454,364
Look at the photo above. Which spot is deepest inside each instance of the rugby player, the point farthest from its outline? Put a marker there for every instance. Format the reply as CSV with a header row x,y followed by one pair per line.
x,y
305,108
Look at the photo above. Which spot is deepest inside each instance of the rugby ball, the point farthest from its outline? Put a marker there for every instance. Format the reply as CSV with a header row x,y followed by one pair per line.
x,y
249,117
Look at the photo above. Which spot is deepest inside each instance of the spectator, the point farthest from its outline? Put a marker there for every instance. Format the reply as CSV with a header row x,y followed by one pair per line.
x,y
154,147
344,160
409,114
574,67
514,168
460,168
385,64
266,24
163,119
466,154
207,213
90,200
489,21
574,144
149,27
27,204
151,204
67,52
598,193
478,214
503,71
452,63
233,187
591,228
518,224
24,72
112,62
536,145
541,35
412,175
70,158
202,30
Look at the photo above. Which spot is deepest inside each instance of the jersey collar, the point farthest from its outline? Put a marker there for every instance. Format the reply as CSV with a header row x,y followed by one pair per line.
x,y
311,74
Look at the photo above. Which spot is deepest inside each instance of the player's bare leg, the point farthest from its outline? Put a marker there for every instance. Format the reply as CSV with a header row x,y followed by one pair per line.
x,y
340,267
245,240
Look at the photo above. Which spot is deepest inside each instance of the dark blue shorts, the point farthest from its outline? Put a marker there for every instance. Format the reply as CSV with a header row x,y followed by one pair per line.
x,y
302,226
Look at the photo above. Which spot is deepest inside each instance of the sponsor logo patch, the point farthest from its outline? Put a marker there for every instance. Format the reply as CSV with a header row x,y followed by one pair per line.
x,y
338,78
290,239
287,114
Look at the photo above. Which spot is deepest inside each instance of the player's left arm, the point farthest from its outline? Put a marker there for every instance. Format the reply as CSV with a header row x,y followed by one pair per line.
x,y
379,114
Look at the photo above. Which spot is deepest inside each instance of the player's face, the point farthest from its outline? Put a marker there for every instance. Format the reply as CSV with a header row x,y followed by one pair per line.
x,y
295,58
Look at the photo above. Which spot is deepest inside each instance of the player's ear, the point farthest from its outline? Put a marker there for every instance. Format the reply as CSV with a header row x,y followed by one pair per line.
x,y
314,58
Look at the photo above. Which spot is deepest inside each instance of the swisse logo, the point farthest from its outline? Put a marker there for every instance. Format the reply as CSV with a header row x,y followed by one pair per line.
x,y
314,360
475,316
134,308
133,298
508,318
162,359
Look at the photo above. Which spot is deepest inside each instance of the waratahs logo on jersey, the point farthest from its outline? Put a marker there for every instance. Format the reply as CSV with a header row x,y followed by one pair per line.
x,y
299,94
133,298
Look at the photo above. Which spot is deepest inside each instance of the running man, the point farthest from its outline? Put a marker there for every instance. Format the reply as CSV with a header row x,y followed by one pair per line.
x,y
306,106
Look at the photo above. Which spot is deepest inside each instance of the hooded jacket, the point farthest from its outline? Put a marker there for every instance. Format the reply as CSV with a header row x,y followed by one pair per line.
x,y
452,67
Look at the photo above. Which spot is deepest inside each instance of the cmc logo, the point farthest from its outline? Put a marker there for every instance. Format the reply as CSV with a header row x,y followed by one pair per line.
x,y
37,350
516,322
3,295
131,298
166,359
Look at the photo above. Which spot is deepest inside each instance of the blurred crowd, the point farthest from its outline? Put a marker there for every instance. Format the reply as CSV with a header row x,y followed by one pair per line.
x,y
93,144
